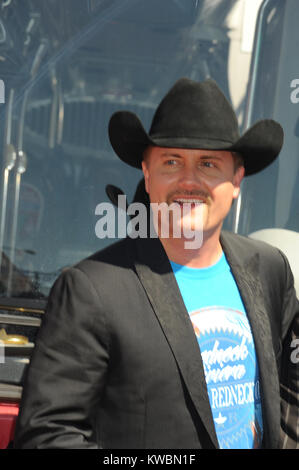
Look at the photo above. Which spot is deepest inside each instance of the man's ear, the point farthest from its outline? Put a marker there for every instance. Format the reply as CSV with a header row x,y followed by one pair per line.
x,y
145,174
238,177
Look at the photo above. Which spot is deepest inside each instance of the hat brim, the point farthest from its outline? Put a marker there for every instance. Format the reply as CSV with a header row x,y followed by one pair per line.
x,y
259,145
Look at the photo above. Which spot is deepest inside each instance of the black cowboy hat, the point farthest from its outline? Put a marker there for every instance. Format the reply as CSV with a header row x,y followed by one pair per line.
x,y
196,115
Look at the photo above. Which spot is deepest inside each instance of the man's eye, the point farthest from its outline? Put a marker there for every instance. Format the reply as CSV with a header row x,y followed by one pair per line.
x,y
208,164
170,162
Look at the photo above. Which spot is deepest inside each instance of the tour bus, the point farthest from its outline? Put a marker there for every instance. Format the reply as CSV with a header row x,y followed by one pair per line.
x,y
65,67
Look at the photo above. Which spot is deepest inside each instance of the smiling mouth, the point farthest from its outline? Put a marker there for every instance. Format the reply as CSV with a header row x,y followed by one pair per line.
x,y
192,201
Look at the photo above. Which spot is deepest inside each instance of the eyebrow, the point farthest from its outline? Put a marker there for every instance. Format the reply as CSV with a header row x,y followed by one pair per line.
x,y
214,157
171,155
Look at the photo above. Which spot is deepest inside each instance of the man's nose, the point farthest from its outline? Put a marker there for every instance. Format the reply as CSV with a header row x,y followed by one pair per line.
x,y
190,178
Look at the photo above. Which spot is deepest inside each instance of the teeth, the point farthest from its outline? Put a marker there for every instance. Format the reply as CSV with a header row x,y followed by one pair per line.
x,y
193,201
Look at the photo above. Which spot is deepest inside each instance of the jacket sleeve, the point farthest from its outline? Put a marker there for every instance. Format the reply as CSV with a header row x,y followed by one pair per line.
x,y
66,376
289,380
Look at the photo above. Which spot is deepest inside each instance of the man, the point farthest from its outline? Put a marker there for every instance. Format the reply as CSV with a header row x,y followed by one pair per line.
x,y
149,344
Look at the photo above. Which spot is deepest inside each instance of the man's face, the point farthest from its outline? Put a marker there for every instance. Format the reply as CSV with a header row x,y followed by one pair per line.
x,y
205,179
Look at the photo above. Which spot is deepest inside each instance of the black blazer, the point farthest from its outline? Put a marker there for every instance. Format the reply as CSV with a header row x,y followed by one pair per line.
x,y
117,363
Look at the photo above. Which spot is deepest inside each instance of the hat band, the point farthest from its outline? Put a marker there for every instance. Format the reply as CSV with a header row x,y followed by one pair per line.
x,y
191,142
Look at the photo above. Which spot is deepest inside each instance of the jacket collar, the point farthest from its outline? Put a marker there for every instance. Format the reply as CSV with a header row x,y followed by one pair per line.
x,y
155,273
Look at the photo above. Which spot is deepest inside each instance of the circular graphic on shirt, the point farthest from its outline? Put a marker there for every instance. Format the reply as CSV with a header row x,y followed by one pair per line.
x,y
231,372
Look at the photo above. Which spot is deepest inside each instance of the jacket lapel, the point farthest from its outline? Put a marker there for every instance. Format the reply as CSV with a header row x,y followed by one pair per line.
x,y
245,269
155,273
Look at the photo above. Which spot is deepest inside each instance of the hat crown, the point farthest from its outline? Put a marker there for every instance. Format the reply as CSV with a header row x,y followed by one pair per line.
x,y
196,115
196,111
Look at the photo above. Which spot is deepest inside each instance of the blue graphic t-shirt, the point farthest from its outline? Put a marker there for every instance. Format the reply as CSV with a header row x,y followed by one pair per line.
x,y
224,335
